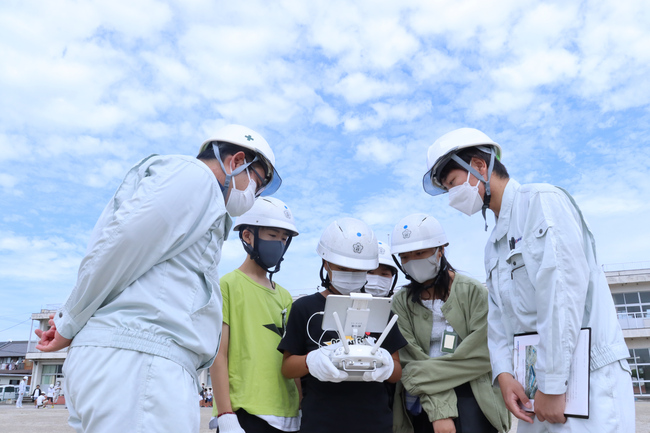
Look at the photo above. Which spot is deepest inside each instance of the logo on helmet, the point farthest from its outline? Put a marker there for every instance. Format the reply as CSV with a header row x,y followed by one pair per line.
x,y
357,248
406,234
382,251
287,214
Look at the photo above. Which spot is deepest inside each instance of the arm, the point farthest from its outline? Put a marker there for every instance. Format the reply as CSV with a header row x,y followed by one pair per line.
x,y
412,351
294,366
469,361
397,369
165,214
219,374
559,272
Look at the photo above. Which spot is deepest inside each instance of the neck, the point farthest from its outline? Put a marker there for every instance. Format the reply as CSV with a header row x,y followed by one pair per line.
x,y
497,186
255,272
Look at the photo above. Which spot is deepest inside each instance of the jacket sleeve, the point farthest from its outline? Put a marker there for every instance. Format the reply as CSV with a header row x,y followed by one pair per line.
x,y
469,361
412,351
499,344
168,211
440,406
559,271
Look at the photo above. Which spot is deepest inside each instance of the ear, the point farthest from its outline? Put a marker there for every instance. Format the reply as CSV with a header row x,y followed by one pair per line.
x,y
480,166
248,236
239,158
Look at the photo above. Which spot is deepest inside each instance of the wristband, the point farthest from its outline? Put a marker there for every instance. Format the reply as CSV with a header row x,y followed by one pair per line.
x,y
225,413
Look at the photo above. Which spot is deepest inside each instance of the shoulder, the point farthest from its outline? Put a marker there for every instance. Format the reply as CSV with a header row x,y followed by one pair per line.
x,y
468,284
192,173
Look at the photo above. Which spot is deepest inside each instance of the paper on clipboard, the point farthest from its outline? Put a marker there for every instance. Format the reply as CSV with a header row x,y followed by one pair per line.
x,y
577,395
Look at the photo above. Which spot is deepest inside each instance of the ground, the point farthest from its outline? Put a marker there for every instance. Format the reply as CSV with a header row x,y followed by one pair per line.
x,y
54,420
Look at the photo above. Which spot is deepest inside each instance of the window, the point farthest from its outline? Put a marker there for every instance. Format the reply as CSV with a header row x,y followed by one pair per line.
x,y
619,299
632,298
51,373
645,296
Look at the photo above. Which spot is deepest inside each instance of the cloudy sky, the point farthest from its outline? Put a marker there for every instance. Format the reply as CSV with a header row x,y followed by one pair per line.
x,y
349,94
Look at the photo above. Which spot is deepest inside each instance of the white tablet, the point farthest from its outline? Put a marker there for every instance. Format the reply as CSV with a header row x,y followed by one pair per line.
x,y
358,311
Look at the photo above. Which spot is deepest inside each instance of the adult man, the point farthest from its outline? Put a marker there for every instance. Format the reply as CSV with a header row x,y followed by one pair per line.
x,y
21,392
542,277
142,314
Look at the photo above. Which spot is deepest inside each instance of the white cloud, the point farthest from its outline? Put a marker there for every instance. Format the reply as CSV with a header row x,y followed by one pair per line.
x,y
357,88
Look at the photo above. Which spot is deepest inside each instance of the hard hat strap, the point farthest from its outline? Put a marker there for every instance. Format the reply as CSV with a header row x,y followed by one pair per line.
x,y
468,167
235,172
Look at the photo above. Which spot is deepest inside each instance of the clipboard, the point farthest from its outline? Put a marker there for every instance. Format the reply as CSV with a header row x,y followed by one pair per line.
x,y
577,395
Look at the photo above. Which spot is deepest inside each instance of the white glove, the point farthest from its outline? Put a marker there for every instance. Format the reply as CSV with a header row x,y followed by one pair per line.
x,y
321,367
228,423
382,373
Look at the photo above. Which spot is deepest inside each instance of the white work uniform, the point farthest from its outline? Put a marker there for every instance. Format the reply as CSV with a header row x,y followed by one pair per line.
x,y
21,393
147,300
542,276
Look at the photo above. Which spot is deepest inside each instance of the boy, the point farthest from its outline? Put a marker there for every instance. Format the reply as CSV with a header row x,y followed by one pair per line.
x,y
250,393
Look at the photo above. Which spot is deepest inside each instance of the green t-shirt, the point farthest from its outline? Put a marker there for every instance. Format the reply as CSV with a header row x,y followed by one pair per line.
x,y
257,317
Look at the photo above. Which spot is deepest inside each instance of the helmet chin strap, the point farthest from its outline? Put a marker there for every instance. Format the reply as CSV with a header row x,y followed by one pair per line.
x,y
479,176
254,253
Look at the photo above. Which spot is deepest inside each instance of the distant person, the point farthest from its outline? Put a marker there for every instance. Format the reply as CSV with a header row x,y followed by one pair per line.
x,y
348,250
147,295
57,391
444,387
255,311
40,401
21,392
50,394
542,277
36,393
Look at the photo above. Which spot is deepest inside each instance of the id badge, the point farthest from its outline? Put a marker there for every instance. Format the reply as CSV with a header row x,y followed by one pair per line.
x,y
449,342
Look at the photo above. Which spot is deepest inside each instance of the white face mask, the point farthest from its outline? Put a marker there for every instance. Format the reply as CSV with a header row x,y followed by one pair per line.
x,y
347,282
466,197
422,270
378,285
239,202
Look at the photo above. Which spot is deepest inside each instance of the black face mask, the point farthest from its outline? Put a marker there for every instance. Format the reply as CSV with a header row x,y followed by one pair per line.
x,y
270,252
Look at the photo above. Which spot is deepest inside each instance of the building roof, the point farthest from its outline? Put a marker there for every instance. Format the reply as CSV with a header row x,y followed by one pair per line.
x,y
13,349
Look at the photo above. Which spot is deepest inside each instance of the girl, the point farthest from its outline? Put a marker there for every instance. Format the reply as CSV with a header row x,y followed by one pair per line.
x,y
447,384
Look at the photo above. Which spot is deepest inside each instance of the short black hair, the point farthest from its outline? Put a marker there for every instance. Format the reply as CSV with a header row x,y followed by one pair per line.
x,y
466,155
225,150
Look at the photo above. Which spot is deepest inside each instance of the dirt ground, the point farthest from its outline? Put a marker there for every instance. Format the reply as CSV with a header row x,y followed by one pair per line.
x,y
54,420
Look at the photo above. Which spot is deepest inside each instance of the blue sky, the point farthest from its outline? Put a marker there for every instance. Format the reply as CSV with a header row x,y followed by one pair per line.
x,y
349,95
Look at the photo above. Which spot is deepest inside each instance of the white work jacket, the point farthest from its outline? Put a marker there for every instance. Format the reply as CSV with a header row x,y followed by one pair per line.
x,y
149,280
542,276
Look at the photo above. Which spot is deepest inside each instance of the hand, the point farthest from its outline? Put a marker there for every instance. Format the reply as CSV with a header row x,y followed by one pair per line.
x,y
513,393
228,423
321,367
550,407
51,340
445,425
382,373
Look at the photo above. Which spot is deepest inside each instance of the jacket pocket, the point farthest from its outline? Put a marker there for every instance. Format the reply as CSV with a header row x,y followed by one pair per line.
x,y
523,293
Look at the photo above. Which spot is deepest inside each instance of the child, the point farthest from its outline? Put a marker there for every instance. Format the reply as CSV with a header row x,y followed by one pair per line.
x,y
250,392
348,249
40,401
381,281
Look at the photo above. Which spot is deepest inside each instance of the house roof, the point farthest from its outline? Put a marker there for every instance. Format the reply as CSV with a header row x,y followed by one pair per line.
x,y
13,349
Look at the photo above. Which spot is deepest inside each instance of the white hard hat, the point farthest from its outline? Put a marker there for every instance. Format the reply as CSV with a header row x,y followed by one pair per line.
x,y
25,377
417,232
246,137
350,243
441,151
385,257
268,212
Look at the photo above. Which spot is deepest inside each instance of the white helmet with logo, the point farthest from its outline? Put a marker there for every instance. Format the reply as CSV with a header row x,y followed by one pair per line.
x,y
417,232
268,212
444,148
249,139
350,243
385,257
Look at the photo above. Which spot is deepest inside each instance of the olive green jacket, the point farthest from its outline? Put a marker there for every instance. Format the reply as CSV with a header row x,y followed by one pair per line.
x,y
434,379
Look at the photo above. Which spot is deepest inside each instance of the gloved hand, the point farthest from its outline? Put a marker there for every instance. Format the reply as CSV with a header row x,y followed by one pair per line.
x,y
321,367
228,423
381,373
